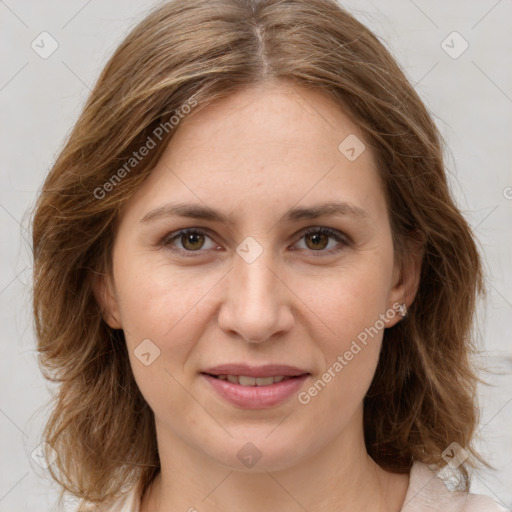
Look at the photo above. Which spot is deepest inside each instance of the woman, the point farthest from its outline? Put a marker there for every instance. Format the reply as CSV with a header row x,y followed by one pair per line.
x,y
251,280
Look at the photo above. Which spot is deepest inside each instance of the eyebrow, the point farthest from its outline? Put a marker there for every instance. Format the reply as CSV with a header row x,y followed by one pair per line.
x,y
206,213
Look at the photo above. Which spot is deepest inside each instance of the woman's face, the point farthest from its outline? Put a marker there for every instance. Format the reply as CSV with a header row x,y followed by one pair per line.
x,y
268,282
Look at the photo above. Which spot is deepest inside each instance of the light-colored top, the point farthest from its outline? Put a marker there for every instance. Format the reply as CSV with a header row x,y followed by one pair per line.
x,y
426,493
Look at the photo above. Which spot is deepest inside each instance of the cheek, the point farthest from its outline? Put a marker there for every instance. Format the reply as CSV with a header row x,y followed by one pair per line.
x,y
162,317
155,298
164,311
351,309
350,300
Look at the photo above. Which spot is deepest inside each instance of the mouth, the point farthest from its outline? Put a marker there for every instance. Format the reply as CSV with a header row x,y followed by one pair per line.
x,y
259,372
251,387
245,380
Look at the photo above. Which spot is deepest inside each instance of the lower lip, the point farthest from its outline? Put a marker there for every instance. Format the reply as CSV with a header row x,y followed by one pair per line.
x,y
256,397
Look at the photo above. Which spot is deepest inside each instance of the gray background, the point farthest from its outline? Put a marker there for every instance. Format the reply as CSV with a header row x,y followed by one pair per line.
x,y
470,97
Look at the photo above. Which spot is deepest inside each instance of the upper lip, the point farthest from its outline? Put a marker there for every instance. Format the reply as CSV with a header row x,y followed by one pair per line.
x,y
268,370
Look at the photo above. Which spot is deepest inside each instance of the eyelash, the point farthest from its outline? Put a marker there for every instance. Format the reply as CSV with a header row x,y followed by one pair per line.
x,y
332,233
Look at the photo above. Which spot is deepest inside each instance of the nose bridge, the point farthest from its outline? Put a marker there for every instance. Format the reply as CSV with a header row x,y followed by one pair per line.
x,y
255,303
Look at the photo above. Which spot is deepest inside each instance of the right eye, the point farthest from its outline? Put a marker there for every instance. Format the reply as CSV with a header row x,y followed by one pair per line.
x,y
191,240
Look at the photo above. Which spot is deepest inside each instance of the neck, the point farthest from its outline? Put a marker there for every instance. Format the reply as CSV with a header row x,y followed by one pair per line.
x,y
339,477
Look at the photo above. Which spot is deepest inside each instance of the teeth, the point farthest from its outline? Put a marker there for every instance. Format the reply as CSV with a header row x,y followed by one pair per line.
x,y
247,381
263,381
243,380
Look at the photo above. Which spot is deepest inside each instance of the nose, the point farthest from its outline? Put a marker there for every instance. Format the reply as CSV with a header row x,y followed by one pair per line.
x,y
256,304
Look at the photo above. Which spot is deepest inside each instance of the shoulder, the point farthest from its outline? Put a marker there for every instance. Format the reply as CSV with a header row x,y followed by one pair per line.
x,y
128,502
427,492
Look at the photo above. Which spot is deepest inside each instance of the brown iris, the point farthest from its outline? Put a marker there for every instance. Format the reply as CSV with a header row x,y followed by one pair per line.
x,y
318,240
192,241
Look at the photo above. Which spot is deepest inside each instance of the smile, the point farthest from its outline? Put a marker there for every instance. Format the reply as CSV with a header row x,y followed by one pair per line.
x,y
244,380
248,392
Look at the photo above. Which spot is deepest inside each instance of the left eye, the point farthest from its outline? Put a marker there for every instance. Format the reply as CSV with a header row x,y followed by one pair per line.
x,y
321,239
317,240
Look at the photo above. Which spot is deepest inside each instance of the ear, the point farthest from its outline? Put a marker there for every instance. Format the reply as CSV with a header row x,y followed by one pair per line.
x,y
406,275
104,294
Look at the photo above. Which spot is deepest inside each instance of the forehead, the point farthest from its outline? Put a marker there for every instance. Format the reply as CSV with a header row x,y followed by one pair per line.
x,y
266,147
282,117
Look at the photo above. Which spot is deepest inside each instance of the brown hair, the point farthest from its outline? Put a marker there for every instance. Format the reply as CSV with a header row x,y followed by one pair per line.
x,y
422,397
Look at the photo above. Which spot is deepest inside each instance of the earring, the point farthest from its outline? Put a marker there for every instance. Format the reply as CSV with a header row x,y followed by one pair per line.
x,y
402,310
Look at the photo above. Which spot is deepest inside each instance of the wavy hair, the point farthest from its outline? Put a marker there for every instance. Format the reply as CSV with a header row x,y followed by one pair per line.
x,y
422,397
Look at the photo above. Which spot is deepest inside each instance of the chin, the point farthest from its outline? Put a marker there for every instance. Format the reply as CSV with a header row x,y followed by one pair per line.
x,y
257,454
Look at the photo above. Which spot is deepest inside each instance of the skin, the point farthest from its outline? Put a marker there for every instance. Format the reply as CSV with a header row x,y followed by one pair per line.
x,y
254,156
